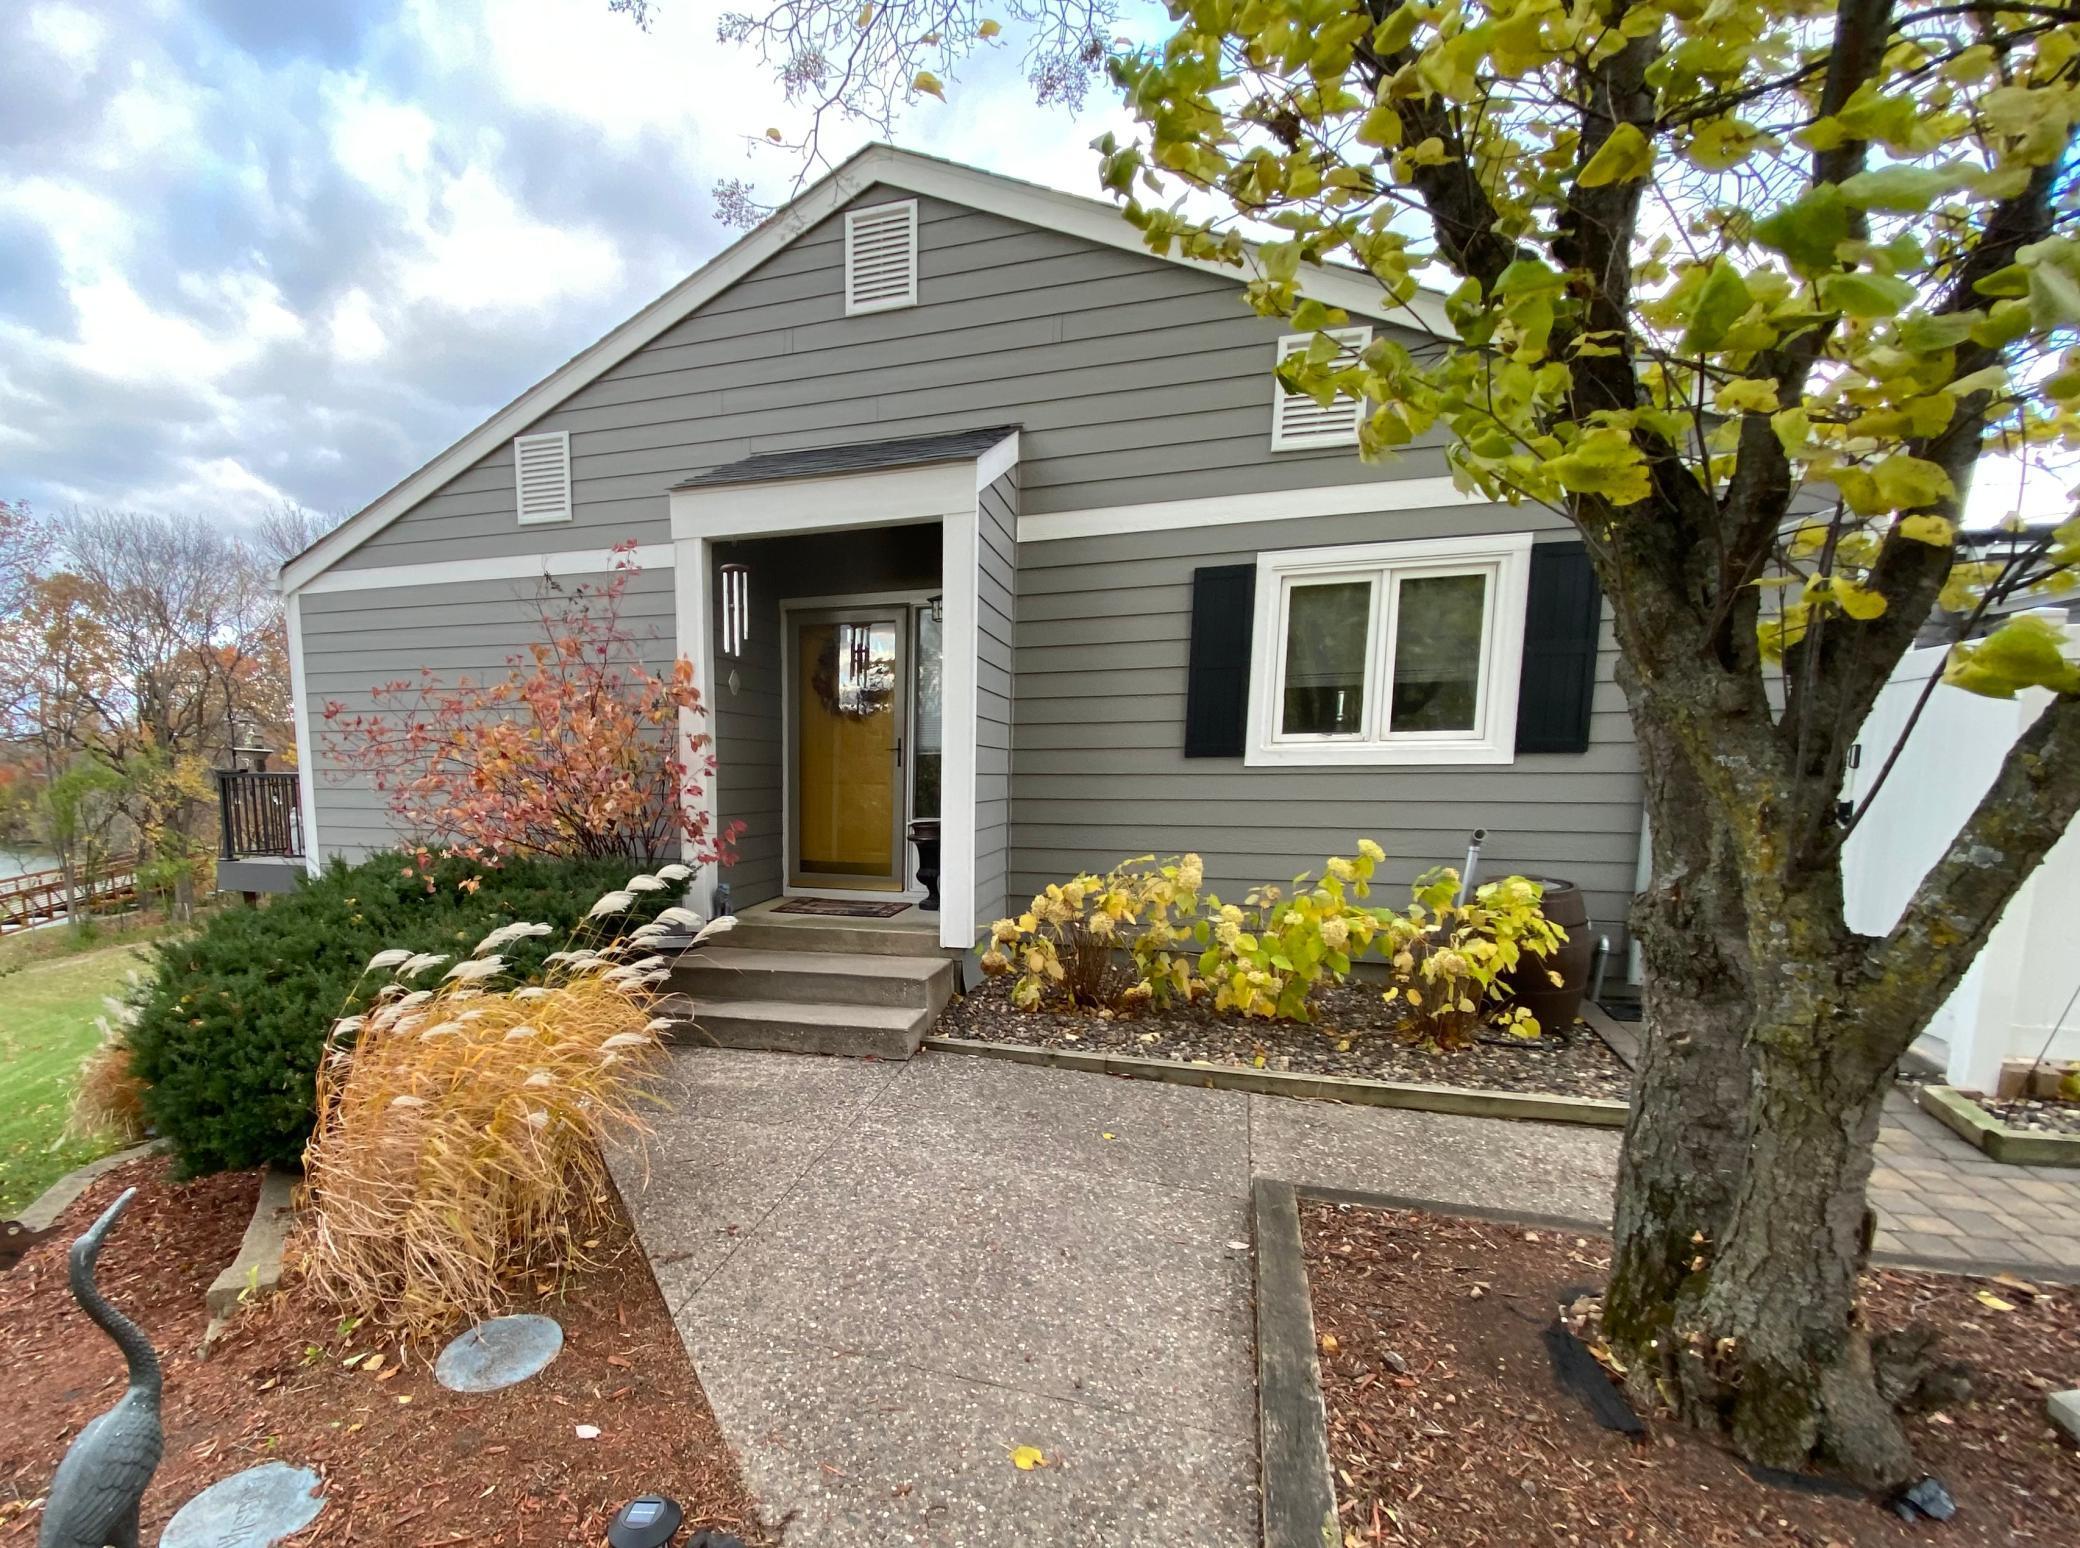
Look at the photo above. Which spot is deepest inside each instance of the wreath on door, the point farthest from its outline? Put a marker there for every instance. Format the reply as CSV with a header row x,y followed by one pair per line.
x,y
873,683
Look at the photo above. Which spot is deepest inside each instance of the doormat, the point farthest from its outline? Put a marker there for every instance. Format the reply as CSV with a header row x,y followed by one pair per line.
x,y
842,908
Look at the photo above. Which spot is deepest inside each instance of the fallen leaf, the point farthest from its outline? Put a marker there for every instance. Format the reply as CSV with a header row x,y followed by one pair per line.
x,y
1026,1458
1988,1298
1107,1134
1329,1344
588,1432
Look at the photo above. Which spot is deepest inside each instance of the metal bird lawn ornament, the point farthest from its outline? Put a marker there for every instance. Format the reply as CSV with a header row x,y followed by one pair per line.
x,y
94,1499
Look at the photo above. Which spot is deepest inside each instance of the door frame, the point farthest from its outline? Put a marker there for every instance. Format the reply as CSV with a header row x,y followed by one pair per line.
x,y
949,493
904,605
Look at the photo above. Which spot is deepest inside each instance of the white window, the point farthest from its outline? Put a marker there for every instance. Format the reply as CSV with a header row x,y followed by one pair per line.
x,y
542,477
1389,653
1297,421
881,257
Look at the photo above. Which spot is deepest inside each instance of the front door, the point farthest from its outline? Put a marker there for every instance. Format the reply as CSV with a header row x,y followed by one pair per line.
x,y
848,676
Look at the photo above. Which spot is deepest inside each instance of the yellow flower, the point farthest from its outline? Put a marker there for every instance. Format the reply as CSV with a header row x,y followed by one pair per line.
x,y
1004,930
1101,925
1335,934
1370,850
1341,868
1228,931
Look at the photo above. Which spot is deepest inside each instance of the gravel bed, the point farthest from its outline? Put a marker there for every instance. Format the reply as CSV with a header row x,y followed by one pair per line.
x,y
2034,1115
1351,1035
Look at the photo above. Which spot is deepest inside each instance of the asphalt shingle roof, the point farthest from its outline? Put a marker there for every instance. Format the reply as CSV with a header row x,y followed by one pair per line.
x,y
861,456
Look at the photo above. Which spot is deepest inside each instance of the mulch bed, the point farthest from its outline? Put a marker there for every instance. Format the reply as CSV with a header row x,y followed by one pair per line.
x,y
2034,1115
1446,1426
1351,1035
404,1461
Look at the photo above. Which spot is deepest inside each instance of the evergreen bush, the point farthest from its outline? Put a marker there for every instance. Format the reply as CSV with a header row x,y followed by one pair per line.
x,y
232,1021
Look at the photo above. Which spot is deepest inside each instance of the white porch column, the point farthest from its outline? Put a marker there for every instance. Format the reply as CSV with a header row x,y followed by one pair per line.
x,y
959,645
696,640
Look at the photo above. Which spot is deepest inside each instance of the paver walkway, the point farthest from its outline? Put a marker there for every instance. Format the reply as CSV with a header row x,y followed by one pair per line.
x,y
892,1275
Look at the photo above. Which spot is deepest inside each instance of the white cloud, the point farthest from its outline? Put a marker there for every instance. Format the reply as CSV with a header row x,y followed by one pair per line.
x,y
71,34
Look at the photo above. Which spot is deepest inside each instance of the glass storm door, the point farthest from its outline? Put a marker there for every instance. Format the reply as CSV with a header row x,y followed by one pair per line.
x,y
848,678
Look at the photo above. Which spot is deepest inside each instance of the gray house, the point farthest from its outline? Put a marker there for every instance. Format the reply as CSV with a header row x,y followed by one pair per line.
x,y
966,507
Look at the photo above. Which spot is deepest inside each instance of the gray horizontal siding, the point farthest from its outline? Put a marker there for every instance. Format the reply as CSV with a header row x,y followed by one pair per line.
x,y
354,641
996,614
1099,772
1134,379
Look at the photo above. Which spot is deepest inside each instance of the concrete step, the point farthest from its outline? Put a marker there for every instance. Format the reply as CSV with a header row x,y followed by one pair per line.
x,y
785,1026
849,980
792,932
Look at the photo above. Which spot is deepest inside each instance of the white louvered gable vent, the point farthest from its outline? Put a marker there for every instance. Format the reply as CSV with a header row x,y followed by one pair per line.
x,y
1297,421
881,257
542,476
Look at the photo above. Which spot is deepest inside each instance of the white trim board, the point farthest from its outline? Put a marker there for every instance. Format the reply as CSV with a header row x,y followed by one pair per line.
x,y
300,716
1093,220
1387,494
574,561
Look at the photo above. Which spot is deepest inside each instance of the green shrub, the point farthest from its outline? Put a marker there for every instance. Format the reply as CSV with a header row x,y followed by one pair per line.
x,y
231,1024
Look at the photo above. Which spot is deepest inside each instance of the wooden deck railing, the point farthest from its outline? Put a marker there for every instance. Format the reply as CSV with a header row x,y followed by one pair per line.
x,y
259,813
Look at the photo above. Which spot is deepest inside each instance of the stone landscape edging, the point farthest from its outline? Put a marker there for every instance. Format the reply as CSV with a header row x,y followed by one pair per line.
x,y
1462,1101
43,1212
1297,1483
257,1270
1976,1126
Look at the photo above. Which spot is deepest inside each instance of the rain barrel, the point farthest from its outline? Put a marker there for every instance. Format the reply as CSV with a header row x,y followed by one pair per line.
x,y
1529,985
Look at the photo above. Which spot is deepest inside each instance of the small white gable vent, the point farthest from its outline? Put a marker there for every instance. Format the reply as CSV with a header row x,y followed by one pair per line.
x,y
542,476
1297,421
881,257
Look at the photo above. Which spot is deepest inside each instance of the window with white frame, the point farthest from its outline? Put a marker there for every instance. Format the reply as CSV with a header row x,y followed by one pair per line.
x,y
1387,653
1297,421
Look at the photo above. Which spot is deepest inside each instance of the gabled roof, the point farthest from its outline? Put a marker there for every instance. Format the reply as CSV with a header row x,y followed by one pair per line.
x,y
1094,220
910,451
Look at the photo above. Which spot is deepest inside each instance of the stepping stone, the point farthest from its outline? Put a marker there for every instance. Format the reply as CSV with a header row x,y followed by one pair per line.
x,y
498,1353
2065,1412
253,1509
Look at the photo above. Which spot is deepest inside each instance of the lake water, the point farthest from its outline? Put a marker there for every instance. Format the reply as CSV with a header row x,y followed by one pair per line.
x,y
13,862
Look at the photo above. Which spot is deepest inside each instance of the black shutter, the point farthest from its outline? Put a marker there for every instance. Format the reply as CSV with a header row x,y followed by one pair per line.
x,y
1560,626
1216,704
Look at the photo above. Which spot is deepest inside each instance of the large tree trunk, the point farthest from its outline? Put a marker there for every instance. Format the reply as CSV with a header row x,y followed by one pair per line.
x,y
1687,1134
1741,1220
1773,1342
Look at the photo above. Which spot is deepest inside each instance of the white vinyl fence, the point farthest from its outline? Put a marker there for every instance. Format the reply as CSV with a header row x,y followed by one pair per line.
x,y
2024,979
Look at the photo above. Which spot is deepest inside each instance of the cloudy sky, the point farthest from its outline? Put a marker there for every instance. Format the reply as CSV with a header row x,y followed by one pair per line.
x,y
266,250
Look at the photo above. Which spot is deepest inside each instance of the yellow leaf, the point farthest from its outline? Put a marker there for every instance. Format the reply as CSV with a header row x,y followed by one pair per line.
x,y
866,15
1026,1458
989,29
1859,602
1749,395
1626,157
1108,1134
1329,1344
1936,531
773,135
1988,1298
927,82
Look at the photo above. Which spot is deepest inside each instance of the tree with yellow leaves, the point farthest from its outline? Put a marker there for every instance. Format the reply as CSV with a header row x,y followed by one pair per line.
x,y
1746,291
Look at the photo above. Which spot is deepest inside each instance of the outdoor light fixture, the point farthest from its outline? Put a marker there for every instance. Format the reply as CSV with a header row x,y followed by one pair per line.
x,y
652,1521
648,1521
938,606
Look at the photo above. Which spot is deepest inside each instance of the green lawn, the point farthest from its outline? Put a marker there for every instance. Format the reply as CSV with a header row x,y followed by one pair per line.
x,y
47,1012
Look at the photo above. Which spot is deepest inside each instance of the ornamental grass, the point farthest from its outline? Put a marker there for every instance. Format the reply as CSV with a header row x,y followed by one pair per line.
x,y
460,1121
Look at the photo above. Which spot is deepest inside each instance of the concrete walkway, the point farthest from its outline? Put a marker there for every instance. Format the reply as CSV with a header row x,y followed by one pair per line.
x,y
890,1276
893,1275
